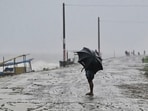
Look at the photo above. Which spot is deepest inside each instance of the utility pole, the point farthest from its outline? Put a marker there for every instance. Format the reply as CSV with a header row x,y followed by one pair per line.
x,y
64,45
99,35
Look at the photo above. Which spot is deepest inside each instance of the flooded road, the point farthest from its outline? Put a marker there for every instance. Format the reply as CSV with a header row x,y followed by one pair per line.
x,y
121,86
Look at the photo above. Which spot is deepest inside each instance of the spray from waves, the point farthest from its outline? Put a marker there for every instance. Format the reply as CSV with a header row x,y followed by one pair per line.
x,y
42,65
45,61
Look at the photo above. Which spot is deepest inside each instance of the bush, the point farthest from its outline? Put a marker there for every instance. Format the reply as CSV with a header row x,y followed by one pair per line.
x,y
145,59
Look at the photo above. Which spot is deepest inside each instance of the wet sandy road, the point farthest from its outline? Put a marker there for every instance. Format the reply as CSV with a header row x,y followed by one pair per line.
x,y
119,87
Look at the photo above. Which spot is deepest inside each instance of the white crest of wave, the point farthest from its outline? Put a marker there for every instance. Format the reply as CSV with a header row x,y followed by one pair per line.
x,y
40,65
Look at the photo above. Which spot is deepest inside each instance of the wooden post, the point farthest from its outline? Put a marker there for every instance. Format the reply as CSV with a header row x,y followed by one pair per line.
x,y
30,66
14,65
3,64
24,59
99,35
64,45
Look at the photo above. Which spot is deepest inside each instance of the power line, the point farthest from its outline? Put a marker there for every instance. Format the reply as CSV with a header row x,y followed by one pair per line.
x,y
123,21
114,6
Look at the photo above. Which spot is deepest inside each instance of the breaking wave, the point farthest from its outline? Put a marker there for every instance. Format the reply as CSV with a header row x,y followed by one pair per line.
x,y
43,65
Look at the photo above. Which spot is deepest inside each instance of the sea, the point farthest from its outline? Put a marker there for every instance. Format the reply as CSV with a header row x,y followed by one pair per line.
x,y
39,62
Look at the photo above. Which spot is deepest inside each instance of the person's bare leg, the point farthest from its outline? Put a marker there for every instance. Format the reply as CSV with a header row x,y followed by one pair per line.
x,y
91,86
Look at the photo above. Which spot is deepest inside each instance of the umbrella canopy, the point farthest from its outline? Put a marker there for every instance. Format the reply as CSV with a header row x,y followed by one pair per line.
x,y
90,60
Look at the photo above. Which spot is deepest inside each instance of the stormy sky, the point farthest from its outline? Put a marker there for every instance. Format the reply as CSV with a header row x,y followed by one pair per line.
x,y
36,26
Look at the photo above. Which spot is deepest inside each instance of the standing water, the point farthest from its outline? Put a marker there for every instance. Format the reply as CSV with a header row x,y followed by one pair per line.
x,y
121,86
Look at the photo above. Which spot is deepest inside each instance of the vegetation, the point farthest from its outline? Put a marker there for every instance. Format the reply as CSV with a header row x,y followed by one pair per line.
x,y
145,60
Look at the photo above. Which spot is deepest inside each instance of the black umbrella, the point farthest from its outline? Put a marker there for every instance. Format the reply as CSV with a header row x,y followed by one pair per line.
x,y
90,60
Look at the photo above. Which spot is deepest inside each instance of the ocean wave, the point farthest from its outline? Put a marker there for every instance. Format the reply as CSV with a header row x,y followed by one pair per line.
x,y
43,65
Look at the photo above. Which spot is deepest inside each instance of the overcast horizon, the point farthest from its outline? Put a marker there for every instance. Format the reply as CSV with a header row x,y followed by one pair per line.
x,y
36,26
